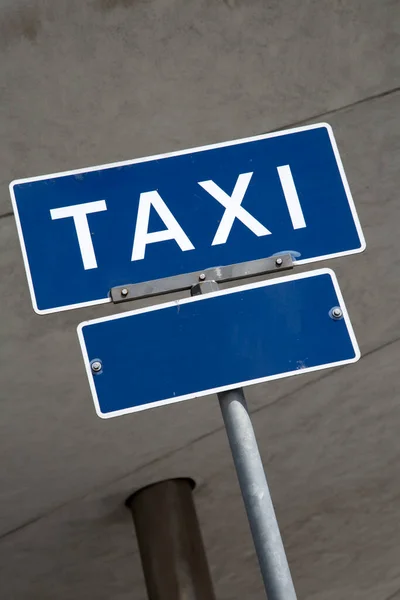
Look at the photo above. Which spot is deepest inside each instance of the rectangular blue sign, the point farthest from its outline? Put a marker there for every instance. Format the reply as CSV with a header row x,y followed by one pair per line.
x,y
223,340
84,232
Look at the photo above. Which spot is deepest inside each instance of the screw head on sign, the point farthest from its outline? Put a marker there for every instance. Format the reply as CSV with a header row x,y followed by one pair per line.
x,y
202,277
336,313
124,292
278,262
96,366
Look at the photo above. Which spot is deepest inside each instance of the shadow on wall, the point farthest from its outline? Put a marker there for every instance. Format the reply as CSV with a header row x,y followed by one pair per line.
x,y
110,4
23,23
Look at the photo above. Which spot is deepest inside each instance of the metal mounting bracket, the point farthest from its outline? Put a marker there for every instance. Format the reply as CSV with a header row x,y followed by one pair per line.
x,y
157,287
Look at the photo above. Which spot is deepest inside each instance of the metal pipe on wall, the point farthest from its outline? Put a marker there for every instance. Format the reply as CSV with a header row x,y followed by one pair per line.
x,y
170,542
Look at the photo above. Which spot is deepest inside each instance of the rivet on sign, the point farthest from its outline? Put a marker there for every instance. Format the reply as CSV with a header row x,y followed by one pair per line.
x,y
336,313
124,292
202,277
278,262
96,366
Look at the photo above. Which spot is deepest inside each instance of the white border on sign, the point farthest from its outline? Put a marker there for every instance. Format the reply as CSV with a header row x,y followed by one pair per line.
x,y
206,297
169,155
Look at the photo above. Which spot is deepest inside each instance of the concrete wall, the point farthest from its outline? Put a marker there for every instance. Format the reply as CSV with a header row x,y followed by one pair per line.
x,y
84,83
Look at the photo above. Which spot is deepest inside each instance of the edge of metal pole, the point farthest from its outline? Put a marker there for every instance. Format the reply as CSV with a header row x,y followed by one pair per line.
x,y
130,498
256,496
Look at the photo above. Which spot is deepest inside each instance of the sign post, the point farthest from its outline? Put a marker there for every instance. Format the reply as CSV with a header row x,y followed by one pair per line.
x,y
257,499
260,511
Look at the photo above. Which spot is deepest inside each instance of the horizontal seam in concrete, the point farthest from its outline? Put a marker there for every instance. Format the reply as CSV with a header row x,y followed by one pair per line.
x,y
341,108
308,119
191,443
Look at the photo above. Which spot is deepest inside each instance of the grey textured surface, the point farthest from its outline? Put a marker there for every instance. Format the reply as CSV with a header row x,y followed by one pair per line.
x,y
94,82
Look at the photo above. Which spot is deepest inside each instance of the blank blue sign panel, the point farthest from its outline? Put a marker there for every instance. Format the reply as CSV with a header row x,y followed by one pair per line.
x,y
223,340
84,232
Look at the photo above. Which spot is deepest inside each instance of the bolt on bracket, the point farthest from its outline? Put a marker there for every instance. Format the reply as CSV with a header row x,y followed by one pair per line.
x,y
158,287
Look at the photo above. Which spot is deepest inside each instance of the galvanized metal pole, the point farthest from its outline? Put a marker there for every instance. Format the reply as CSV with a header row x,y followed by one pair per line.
x,y
253,484
170,543
257,499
